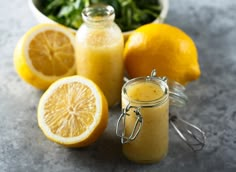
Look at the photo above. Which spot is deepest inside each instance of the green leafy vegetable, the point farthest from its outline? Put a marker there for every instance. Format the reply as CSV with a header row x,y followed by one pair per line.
x,y
130,14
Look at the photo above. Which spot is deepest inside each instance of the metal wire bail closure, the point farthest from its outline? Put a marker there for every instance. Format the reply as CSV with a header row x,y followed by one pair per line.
x,y
121,124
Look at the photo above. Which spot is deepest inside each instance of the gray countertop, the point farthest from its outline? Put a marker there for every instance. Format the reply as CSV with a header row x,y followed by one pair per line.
x,y
212,101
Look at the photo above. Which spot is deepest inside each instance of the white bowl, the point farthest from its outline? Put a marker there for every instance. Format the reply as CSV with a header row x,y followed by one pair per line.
x,y
34,6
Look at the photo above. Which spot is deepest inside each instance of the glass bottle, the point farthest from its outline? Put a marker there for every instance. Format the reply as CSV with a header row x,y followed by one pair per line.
x,y
99,50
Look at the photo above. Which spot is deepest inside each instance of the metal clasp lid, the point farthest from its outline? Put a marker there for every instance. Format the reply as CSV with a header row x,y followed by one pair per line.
x,y
137,125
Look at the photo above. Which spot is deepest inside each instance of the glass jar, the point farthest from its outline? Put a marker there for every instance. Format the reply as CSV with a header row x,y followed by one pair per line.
x,y
145,104
144,122
99,51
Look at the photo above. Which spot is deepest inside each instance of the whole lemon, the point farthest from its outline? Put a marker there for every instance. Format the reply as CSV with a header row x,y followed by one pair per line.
x,y
162,47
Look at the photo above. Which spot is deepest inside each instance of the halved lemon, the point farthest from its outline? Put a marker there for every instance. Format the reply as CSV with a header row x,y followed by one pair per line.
x,y
73,112
44,54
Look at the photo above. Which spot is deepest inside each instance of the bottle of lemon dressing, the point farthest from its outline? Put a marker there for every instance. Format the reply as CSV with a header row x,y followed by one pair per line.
x,y
99,51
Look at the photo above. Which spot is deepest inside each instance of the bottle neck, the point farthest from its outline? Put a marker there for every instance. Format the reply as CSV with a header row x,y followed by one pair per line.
x,y
98,15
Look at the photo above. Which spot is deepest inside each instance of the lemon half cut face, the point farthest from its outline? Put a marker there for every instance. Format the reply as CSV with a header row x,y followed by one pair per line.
x,y
73,112
44,54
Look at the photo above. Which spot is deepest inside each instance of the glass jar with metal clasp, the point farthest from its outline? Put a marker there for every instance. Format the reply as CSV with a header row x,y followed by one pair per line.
x,y
143,125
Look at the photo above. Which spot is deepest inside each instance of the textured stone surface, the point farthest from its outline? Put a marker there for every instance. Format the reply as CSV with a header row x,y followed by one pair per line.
x,y
211,24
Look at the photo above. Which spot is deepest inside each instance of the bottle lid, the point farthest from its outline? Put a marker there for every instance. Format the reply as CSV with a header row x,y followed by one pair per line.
x,y
176,91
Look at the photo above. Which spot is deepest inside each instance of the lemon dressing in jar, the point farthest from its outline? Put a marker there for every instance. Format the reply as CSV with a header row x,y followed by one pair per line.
x,y
143,125
99,51
145,103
